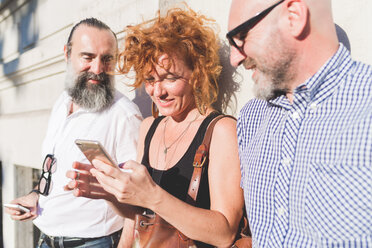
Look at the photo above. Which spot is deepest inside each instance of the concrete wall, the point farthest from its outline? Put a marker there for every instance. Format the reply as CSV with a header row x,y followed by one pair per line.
x,y
32,35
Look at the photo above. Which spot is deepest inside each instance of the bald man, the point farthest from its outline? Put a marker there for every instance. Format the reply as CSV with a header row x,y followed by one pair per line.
x,y
305,140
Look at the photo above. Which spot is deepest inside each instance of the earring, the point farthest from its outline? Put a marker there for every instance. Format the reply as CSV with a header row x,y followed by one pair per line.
x,y
154,110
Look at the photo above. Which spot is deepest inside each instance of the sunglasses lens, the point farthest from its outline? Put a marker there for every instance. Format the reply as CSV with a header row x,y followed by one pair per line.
x,y
50,186
53,166
45,182
49,164
44,186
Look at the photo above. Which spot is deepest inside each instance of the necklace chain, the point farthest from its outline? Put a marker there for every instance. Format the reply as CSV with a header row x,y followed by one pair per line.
x,y
166,148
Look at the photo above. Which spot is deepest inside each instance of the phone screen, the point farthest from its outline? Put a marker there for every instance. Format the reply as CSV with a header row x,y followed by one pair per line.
x,y
94,150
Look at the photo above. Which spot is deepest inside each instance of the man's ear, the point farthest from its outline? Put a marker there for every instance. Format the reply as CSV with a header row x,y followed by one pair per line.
x,y
298,18
65,52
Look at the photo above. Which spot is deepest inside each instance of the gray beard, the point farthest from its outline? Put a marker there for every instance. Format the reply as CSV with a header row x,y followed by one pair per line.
x,y
272,83
274,71
92,97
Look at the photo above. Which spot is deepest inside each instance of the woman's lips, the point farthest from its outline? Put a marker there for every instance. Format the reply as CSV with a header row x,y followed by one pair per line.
x,y
164,102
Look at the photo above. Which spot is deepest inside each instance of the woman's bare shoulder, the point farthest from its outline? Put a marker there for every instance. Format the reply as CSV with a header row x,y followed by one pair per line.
x,y
225,125
146,123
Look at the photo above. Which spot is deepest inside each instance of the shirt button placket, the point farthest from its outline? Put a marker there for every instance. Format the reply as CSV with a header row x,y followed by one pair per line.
x,y
286,161
281,211
313,107
295,115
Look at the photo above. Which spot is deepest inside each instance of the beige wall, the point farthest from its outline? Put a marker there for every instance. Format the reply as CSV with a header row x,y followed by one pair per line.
x,y
32,35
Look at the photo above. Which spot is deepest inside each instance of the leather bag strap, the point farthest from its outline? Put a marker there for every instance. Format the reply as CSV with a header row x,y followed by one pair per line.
x,y
199,159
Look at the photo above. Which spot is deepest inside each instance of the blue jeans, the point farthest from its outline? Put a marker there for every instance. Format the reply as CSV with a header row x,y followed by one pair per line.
x,y
103,242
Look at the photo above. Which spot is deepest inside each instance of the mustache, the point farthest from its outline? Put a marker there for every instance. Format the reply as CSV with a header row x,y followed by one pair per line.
x,y
249,63
102,77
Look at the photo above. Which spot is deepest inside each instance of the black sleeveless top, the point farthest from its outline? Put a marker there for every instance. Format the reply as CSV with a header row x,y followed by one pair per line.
x,y
176,180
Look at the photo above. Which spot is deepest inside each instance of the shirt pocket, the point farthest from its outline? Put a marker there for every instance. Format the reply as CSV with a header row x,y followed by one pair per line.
x,y
338,204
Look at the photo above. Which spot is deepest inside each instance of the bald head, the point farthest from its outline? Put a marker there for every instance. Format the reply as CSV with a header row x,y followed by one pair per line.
x,y
321,18
281,39
320,12
242,10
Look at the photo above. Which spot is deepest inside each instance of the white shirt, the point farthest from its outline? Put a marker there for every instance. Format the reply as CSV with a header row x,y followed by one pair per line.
x,y
116,128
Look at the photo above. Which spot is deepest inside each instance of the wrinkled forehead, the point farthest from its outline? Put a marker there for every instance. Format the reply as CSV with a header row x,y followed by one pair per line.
x,y
242,10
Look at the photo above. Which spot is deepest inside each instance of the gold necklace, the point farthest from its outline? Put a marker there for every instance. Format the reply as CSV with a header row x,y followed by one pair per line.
x,y
166,148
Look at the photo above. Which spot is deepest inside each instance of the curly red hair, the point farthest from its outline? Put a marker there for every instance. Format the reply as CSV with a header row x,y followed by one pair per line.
x,y
182,33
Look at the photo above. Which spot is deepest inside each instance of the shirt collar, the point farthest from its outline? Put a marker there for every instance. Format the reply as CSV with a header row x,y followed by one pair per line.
x,y
67,103
322,83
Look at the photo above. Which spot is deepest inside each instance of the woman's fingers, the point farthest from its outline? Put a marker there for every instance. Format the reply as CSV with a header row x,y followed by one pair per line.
x,y
116,187
131,165
105,168
123,185
106,181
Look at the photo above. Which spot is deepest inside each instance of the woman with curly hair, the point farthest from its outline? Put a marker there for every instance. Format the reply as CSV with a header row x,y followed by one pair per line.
x,y
175,57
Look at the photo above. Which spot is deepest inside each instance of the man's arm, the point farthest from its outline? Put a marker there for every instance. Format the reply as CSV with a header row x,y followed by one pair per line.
x,y
28,201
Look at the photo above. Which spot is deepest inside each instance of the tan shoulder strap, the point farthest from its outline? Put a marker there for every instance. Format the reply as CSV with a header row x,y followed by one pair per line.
x,y
199,159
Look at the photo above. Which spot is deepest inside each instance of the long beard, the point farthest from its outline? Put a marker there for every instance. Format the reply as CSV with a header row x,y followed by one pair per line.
x,y
93,97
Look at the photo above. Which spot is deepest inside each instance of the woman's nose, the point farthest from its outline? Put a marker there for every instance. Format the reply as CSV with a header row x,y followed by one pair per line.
x,y
158,88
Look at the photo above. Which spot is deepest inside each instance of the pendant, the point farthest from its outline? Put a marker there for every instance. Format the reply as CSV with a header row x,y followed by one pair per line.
x,y
165,150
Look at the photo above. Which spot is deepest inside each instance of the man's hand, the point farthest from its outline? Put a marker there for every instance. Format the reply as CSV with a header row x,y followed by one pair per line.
x,y
29,201
83,183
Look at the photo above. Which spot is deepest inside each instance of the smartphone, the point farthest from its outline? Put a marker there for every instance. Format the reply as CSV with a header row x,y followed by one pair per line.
x,y
17,207
92,149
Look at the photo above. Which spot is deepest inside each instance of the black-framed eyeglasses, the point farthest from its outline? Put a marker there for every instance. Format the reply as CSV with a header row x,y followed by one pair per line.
x,y
240,32
45,182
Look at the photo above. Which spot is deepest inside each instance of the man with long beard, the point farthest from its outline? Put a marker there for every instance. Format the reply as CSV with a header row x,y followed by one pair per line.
x,y
90,108
305,141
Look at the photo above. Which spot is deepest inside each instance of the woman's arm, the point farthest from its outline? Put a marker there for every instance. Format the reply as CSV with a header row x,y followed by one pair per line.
x,y
216,226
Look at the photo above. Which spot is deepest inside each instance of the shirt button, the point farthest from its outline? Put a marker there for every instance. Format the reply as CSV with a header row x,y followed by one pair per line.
x,y
281,211
313,106
286,161
295,115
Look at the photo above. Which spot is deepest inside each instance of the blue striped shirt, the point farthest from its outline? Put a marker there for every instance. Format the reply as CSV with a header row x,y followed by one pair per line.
x,y
307,166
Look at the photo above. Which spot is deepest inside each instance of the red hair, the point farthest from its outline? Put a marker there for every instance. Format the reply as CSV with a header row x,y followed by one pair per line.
x,y
181,33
